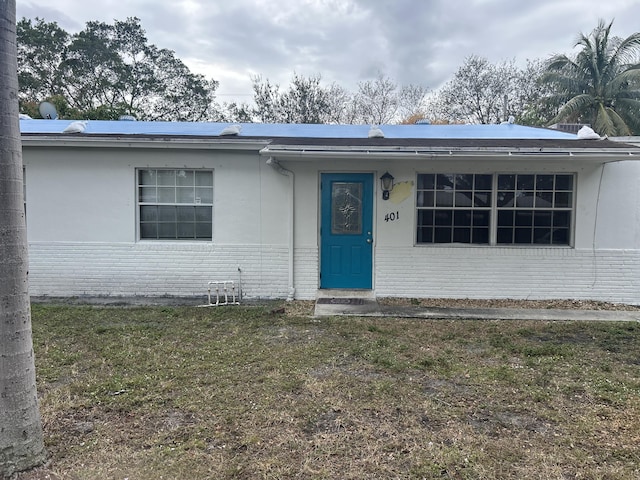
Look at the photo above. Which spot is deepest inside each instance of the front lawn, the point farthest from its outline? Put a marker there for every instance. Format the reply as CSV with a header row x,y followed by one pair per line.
x,y
251,392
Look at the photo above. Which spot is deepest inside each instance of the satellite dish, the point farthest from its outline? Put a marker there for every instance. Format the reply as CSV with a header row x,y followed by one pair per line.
x,y
48,111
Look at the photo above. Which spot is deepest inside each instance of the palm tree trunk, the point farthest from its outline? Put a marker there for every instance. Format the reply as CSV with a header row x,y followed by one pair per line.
x,y
21,442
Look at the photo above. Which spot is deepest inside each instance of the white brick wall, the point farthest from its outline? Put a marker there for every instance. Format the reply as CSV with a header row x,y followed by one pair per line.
x,y
306,273
154,269
524,273
66,259
174,269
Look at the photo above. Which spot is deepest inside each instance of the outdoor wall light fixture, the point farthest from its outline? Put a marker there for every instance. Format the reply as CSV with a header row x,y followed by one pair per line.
x,y
387,185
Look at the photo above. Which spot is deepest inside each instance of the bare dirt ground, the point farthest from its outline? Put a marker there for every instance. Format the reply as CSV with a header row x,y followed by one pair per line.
x,y
305,307
40,473
508,303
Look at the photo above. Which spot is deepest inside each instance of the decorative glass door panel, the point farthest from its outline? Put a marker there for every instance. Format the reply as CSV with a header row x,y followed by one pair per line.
x,y
346,208
346,243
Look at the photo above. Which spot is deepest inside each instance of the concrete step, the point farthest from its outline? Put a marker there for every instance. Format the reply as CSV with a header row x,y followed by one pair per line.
x,y
346,302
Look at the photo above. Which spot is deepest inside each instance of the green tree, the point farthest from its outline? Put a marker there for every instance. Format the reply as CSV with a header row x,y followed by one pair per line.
x,y
93,73
266,97
600,85
382,101
306,101
41,49
236,112
376,102
476,93
107,70
484,92
527,102
179,95
342,105
21,442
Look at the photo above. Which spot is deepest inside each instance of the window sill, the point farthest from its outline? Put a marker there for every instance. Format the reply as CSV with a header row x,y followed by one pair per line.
x,y
484,246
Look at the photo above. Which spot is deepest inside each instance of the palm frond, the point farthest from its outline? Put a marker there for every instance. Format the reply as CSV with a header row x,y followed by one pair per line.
x,y
602,123
558,62
629,80
601,84
632,105
628,109
619,123
558,99
577,106
578,68
627,51
589,58
564,82
584,40
601,40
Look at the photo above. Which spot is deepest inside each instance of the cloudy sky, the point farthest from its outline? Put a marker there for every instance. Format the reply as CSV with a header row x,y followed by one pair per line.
x,y
346,41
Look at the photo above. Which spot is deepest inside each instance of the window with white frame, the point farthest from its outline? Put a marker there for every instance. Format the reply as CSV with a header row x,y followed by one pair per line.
x,y
175,204
494,209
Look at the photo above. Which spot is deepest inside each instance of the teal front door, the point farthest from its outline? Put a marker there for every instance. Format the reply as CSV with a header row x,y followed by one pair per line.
x,y
346,240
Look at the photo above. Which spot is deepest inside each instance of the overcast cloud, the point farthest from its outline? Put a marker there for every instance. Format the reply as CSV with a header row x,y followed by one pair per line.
x,y
346,41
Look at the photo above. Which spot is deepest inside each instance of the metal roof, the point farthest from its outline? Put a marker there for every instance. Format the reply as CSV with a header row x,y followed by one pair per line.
x,y
317,131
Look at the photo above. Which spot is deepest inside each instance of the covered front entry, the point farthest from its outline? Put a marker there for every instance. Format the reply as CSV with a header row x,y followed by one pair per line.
x,y
346,234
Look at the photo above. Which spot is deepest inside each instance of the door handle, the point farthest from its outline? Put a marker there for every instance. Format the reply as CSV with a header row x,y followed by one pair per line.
x,y
369,240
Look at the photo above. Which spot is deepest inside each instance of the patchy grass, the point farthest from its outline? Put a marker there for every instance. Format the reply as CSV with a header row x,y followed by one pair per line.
x,y
249,392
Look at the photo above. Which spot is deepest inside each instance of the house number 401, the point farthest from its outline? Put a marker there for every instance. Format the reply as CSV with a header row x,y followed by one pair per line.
x,y
391,217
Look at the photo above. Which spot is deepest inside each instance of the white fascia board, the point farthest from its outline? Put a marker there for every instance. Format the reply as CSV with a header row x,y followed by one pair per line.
x,y
310,153
50,141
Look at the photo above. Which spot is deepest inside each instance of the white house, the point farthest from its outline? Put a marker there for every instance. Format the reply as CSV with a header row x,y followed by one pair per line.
x,y
473,211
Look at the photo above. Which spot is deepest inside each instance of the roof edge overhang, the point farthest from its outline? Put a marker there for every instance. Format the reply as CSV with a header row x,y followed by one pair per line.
x,y
128,141
269,147
310,153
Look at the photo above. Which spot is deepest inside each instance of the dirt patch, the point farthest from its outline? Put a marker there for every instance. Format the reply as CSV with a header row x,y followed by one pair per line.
x,y
300,308
331,421
444,388
40,473
506,303
496,423
289,334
